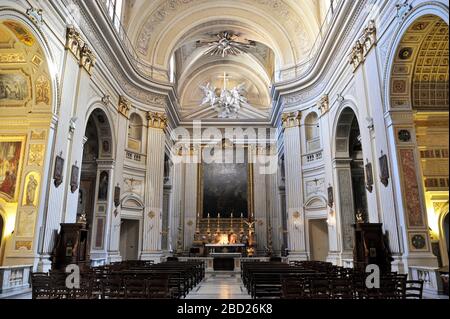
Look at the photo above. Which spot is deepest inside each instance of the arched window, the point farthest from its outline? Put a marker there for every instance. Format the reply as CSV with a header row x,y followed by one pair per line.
x,y
135,132
312,129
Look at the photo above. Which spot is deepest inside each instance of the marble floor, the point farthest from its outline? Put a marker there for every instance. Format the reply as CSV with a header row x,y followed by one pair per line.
x,y
226,285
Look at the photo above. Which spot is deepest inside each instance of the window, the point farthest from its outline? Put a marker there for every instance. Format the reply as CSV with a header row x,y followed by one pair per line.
x,y
312,129
135,133
115,10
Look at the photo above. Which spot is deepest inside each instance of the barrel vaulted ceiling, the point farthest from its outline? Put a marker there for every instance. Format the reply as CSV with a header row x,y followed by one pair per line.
x,y
167,32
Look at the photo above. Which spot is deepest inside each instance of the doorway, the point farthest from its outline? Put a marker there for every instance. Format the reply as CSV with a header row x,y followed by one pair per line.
x,y
129,239
318,239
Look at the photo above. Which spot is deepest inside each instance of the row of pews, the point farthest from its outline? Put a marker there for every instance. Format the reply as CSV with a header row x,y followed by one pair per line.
x,y
321,280
123,280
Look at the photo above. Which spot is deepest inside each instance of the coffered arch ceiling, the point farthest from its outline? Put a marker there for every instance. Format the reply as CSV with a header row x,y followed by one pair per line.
x,y
283,32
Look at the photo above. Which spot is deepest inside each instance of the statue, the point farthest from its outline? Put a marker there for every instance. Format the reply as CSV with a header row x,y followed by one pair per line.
x,y
31,191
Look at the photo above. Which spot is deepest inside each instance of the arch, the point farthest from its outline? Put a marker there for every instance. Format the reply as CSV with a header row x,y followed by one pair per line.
x,y
316,202
132,198
312,132
20,17
97,106
422,10
102,121
135,127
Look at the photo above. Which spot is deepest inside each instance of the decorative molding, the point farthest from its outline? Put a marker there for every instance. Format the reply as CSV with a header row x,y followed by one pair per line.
x,y
403,10
35,15
291,119
157,120
324,104
124,106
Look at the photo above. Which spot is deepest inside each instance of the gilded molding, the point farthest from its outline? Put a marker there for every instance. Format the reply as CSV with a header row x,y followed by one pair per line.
x,y
74,42
79,48
87,59
292,119
157,120
324,104
124,106
363,45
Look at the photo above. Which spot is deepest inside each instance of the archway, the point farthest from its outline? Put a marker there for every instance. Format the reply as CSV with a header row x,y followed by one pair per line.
x,y
2,225
96,177
349,166
418,93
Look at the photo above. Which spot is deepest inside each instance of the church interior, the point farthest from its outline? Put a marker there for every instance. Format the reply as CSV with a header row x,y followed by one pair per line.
x,y
224,149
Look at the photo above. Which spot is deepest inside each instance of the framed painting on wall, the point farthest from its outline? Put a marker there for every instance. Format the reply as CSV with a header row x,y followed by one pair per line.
x,y
11,158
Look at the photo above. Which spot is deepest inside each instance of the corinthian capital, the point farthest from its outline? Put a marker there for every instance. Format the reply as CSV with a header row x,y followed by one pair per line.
x,y
157,120
291,119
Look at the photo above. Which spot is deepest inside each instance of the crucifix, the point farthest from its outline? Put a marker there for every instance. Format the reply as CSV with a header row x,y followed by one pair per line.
x,y
225,78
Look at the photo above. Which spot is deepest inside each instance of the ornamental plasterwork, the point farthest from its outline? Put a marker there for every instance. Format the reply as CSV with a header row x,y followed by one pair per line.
x,y
94,37
170,7
292,119
363,45
324,104
157,120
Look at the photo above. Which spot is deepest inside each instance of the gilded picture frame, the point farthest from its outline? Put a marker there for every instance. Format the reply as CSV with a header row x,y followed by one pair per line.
x,y
12,150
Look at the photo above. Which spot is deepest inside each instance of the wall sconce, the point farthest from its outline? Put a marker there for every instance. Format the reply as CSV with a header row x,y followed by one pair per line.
x,y
331,221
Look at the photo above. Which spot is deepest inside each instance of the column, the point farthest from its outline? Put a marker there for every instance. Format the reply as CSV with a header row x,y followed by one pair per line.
x,y
53,214
154,183
275,227
294,187
260,198
176,204
190,196
115,221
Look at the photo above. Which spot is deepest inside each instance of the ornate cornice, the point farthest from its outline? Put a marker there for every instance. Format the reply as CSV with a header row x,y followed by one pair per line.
x,y
291,119
363,45
157,120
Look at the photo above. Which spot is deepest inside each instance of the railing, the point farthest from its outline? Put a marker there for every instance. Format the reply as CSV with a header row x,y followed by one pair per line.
x,y
14,279
150,71
313,157
136,157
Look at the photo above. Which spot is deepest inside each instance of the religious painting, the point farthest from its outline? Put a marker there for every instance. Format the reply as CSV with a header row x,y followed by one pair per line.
x,y
384,170
330,197
225,189
10,162
74,178
103,186
117,196
58,172
369,177
30,196
14,89
20,32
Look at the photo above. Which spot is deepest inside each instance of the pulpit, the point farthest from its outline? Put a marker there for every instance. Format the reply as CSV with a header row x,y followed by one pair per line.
x,y
71,246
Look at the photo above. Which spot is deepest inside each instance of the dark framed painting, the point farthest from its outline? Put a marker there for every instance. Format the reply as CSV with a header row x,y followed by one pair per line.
x,y
11,154
369,177
384,170
117,196
74,178
58,171
226,188
330,196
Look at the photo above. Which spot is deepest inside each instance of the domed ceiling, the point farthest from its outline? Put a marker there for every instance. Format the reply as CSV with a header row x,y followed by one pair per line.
x,y
264,37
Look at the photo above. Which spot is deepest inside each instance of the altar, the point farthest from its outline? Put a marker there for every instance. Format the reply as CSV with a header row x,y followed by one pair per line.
x,y
225,255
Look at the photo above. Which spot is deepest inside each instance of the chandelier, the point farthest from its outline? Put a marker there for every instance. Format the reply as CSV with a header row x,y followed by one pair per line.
x,y
227,44
226,103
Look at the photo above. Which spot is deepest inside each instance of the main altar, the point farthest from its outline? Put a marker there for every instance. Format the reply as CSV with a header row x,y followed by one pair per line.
x,y
224,240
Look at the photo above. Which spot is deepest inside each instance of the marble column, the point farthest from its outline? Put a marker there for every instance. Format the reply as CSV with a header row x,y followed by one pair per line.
x,y
151,245
275,225
294,186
